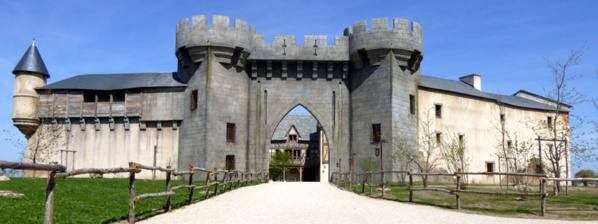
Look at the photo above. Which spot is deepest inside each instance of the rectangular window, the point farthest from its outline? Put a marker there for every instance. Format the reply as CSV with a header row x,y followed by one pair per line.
x,y
89,97
230,162
490,167
438,109
509,144
118,96
193,100
412,104
461,139
502,117
230,132
438,138
103,96
549,122
376,134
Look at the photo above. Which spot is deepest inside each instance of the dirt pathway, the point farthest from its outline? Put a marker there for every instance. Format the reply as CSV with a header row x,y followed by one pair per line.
x,y
317,203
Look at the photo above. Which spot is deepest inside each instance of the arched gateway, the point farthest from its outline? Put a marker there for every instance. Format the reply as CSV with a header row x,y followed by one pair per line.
x,y
242,86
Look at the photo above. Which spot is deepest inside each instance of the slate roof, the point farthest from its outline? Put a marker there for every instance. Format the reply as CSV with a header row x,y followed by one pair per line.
x,y
107,82
31,62
460,87
306,125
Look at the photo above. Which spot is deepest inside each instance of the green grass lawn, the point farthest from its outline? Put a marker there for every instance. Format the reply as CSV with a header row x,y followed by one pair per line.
x,y
83,200
582,203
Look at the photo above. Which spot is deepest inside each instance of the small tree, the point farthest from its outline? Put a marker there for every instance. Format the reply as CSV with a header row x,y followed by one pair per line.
x,y
426,160
522,158
454,153
368,164
584,174
557,127
19,144
279,165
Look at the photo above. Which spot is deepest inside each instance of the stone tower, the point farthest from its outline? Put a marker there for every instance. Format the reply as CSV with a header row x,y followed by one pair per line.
x,y
384,81
30,73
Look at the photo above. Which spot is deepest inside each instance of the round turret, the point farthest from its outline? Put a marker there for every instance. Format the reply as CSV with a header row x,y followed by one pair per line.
x,y
406,43
228,44
30,73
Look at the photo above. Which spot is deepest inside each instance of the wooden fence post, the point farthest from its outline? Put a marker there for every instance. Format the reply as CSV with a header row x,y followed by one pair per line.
x,y
410,186
363,183
458,195
383,184
224,182
370,182
132,194
543,192
217,183
168,202
208,184
191,189
49,212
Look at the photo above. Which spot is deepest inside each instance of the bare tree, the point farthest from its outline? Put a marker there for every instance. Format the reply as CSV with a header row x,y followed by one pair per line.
x,y
502,138
557,128
454,153
426,159
522,159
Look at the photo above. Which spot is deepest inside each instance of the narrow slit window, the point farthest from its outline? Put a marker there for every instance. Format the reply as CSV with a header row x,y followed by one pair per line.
x,y
412,104
193,100
549,122
438,110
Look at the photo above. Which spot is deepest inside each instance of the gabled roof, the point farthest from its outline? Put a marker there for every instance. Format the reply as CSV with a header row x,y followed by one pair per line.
x,y
289,131
459,87
107,82
31,62
306,126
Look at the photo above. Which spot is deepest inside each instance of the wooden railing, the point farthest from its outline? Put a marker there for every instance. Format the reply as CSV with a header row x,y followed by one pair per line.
x,y
348,180
230,178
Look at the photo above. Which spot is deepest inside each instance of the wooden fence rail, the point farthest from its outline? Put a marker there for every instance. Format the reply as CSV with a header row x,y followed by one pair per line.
x,y
346,181
230,178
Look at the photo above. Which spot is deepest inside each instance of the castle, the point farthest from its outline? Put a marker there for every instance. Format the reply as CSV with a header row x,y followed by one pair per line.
x,y
231,90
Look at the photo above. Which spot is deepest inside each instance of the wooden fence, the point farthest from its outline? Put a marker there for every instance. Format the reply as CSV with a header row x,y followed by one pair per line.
x,y
348,180
229,178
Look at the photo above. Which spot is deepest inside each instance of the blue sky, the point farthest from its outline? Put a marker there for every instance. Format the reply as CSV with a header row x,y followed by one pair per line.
x,y
504,41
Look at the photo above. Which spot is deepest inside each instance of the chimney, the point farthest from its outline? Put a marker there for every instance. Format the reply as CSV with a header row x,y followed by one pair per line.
x,y
474,80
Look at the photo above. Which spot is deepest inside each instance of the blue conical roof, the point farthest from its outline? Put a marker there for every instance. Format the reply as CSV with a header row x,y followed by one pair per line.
x,y
31,62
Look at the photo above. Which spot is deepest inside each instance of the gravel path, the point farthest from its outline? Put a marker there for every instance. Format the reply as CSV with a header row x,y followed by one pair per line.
x,y
317,203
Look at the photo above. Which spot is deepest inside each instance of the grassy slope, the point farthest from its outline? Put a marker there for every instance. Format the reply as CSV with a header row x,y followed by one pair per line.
x,y
81,200
582,203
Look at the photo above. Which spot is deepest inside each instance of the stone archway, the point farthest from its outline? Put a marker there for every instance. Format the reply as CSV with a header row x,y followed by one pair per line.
x,y
302,136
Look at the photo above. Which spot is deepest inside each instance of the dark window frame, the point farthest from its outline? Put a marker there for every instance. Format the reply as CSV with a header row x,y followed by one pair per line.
x,y
490,167
230,132
438,110
88,96
412,104
230,162
376,134
193,99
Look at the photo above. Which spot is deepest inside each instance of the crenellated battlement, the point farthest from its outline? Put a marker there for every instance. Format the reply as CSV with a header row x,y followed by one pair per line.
x,y
405,41
194,35
241,41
